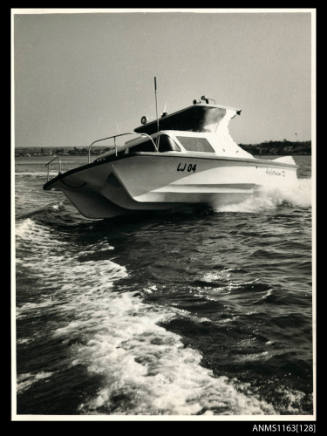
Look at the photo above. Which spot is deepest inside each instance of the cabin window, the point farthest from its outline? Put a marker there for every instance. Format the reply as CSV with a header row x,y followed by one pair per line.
x,y
166,144
195,144
164,141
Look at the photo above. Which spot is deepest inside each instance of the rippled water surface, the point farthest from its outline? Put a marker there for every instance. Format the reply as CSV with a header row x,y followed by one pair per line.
x,y
205,312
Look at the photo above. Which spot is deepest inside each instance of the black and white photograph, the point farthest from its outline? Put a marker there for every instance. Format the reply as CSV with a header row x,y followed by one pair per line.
x,y
163,214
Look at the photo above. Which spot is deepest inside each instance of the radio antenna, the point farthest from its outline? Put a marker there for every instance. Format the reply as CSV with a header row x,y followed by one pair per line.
x,y
155,95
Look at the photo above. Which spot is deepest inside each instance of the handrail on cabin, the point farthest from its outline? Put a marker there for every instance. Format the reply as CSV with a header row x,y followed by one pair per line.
x,y
89,149
115,145
49,163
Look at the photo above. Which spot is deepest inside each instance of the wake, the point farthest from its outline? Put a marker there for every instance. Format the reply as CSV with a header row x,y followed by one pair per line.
x,y
298,194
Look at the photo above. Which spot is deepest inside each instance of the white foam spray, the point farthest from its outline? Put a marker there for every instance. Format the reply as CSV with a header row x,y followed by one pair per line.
x,y
298,194
26,380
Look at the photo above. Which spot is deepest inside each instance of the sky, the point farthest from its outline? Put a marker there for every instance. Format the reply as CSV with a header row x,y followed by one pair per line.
x,y
79,77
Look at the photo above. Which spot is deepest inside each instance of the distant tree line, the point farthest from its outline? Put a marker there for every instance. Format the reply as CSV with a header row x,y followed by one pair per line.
x,y
59,151
284,147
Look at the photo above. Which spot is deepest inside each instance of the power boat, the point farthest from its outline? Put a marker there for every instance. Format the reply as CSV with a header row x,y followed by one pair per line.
x,y
184,158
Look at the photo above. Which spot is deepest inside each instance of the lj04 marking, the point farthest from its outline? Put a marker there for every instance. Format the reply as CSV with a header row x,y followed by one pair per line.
x,y
186,167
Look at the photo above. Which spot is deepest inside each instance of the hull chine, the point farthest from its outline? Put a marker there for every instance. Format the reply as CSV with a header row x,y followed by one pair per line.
x,y
149,182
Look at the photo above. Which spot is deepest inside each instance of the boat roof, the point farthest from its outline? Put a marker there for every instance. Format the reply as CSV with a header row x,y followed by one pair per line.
x,y
192,118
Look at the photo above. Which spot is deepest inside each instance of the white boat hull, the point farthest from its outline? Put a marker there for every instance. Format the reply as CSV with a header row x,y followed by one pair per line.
x,y
153,181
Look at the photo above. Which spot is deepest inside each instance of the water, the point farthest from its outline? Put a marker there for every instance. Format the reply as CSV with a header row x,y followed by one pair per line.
x,y
193,313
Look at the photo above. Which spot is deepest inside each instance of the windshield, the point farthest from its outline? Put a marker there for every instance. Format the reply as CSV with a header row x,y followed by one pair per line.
x,y
164,142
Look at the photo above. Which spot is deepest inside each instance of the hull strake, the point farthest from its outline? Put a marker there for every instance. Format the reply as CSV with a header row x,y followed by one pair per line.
x,y
147,182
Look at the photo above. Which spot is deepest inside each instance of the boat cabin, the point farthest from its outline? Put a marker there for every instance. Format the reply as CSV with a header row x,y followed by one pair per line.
x,y
200,128
162,142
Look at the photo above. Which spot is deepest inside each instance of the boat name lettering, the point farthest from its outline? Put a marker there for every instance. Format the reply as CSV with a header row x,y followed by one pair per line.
x,y
188,167
272,172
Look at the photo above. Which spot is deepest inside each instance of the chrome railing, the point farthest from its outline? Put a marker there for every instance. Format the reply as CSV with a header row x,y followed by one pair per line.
x,y
115,144
50,162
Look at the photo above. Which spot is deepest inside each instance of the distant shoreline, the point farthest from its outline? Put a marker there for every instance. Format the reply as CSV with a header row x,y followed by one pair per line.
x,y
279,148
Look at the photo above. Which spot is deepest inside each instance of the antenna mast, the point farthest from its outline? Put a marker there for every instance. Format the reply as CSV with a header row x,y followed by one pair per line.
x,y
155,95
